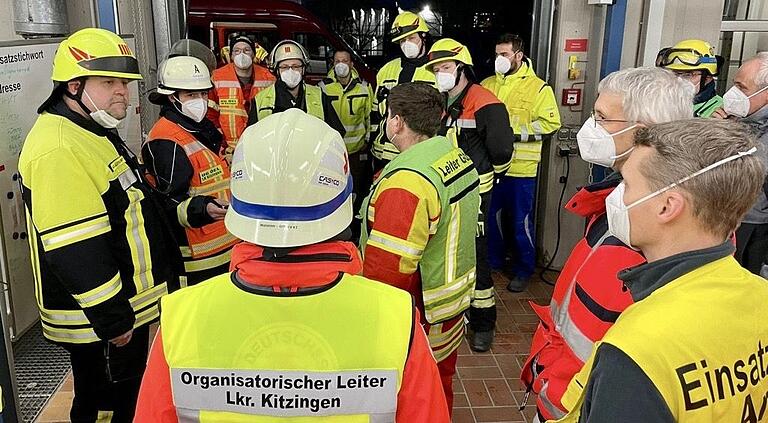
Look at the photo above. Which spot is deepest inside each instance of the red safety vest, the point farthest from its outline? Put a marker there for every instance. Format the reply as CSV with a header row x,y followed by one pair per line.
x,y
587,299
233,114
210,177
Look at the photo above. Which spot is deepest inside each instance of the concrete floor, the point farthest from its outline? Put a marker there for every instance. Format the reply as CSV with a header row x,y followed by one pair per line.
x,y
486,388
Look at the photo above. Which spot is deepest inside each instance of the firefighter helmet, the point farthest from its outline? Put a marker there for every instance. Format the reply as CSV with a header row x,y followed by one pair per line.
x,y
94,52
448,49
407,23
690,55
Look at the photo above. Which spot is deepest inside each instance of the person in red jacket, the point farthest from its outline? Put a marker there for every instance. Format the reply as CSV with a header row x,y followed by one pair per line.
x,y
588,296
292,331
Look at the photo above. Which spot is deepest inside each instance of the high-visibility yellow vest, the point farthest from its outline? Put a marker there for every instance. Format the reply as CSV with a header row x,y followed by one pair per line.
x,y
526,97
447,267
354,109
700,339
386,79
333,356
313,98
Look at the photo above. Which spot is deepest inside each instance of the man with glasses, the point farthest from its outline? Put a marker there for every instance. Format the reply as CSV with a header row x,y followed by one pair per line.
x,y
588,296
289,61
534,117
695,62
235,85
747,101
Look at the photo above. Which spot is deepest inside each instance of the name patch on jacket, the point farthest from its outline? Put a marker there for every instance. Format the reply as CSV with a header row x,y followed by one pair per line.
x,y
452,165
123,172
211,173
227,102
286,393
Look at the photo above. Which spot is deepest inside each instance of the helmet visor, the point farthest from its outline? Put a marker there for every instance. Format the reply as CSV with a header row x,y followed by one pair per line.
x,y
121,64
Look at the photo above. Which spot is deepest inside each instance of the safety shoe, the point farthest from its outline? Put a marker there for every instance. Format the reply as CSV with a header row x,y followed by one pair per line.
x,y
481,341
517,284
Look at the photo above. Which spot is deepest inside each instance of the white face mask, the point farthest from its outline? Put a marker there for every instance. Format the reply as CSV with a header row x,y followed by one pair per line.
x,y
736,103
243,61
410,49
617,212
101,116
596,145
445,81
502,65
195,109
291,77
341,70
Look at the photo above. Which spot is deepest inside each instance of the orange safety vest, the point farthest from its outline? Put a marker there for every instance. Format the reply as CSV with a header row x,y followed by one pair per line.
x,y
210,177
233,117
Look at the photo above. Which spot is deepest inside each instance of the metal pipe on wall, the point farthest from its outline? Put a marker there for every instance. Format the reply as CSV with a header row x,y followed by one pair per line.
x,y
40,18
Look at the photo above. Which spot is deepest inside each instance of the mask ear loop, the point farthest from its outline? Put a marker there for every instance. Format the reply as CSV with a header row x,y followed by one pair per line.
x,y
695,174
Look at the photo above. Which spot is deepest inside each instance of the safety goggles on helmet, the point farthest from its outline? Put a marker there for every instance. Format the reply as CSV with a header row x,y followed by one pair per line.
x,y
686,56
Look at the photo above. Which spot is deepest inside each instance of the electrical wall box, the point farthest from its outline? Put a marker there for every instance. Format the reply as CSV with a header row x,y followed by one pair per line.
x,y
571,96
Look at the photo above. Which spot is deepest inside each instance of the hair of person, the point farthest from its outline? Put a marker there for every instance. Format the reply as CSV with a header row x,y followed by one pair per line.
x,y
719,197
343,50
517,42
650,95
761,76
419,104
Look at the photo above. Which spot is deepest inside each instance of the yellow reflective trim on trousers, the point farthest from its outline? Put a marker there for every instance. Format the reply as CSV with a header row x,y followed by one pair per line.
x,y
394,245
484,303
486,182
99,294
75,233
483,298
443,344
208,262
136,235
451,347
104,416
181,213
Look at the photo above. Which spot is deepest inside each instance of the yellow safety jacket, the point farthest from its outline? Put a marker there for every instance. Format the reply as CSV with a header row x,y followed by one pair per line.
x,y
700,339
95,235
353,104
275,358
386,79
265,101
533,114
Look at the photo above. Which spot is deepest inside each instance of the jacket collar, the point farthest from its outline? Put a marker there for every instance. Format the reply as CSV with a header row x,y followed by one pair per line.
x,y
707,93
646,278
304,267
525,71
60,108
590,200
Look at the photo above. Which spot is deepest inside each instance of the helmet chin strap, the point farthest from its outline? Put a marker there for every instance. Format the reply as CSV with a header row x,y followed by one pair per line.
x,y
78,97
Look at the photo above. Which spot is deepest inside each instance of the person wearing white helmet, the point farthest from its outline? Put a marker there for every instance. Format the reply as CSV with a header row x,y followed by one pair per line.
x,y
288,62
183,165
292,331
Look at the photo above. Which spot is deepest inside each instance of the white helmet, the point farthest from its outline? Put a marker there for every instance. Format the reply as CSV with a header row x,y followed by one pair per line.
x,y
183,73
290,182
287,49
